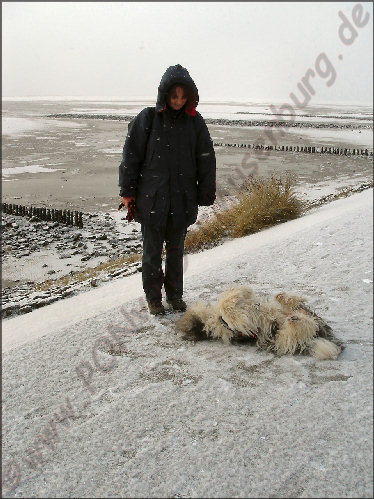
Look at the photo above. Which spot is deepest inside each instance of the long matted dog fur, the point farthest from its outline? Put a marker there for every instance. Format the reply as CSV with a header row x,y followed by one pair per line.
x,y
282,324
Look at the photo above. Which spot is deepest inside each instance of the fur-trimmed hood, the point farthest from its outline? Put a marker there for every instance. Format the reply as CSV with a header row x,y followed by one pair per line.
x,y
176,74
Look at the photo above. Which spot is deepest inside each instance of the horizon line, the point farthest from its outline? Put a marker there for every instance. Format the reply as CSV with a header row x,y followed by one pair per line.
x,y
142,98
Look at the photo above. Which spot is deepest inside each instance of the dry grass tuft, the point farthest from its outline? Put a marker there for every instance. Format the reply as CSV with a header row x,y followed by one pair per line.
x,y
88,273
262,203
205,236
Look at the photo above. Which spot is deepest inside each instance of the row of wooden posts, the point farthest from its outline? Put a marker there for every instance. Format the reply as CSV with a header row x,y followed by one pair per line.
x,y
67,217
307,149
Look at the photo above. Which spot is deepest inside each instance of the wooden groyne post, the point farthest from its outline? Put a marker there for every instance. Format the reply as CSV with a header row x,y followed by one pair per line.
x,y
66,217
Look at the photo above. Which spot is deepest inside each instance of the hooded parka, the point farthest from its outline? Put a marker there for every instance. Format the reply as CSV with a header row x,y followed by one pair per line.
x,y
169,163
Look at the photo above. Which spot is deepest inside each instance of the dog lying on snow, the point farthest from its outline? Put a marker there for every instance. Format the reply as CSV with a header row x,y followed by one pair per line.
x,y
283,324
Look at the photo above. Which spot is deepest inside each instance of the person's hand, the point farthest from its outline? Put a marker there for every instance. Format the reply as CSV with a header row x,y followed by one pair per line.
x,y
126,201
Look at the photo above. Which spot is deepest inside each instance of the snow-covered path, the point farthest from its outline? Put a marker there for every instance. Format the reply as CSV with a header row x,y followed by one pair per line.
x,y
168,418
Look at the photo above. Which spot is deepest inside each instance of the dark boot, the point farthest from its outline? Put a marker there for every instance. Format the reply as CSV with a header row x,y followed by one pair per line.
x,y
156,308
177,304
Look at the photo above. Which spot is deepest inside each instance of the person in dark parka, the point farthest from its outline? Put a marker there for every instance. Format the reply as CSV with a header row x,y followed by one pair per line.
x,y
168,169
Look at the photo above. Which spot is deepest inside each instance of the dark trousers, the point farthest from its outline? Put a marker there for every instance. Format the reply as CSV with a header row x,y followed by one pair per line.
x,y
152,274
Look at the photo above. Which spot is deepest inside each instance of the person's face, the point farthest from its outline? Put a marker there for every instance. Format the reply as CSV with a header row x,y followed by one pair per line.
x,y
177,98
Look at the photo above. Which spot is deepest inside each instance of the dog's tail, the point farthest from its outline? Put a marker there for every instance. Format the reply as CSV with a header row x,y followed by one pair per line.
x,y
324,330
323,349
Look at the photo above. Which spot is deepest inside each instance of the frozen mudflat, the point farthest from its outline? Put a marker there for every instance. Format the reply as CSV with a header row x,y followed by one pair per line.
x,y
72,163
85,153
160,417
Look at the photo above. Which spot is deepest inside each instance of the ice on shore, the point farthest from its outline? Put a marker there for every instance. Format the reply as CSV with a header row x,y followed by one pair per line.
x,y
29,169
113,150
14,126
362,138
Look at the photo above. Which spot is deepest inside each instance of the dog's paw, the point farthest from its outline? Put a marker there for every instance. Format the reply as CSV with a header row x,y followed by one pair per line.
x,y
292,302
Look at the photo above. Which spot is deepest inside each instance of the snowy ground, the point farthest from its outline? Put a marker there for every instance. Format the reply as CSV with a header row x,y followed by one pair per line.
x,y
160,417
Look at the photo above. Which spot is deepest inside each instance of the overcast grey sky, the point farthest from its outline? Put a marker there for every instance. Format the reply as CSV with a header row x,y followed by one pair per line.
x,y
238,50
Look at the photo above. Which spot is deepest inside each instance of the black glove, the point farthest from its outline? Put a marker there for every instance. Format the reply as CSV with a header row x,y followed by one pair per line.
x,y
130,211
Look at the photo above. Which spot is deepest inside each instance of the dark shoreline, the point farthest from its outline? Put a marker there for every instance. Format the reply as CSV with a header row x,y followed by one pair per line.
x,y
34,242
223,121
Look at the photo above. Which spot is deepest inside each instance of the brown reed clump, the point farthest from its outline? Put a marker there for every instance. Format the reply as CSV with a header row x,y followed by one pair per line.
x,y
261,203
264,203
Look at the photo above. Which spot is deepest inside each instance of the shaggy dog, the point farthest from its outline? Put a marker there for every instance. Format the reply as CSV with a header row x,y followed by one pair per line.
x,y
283,324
